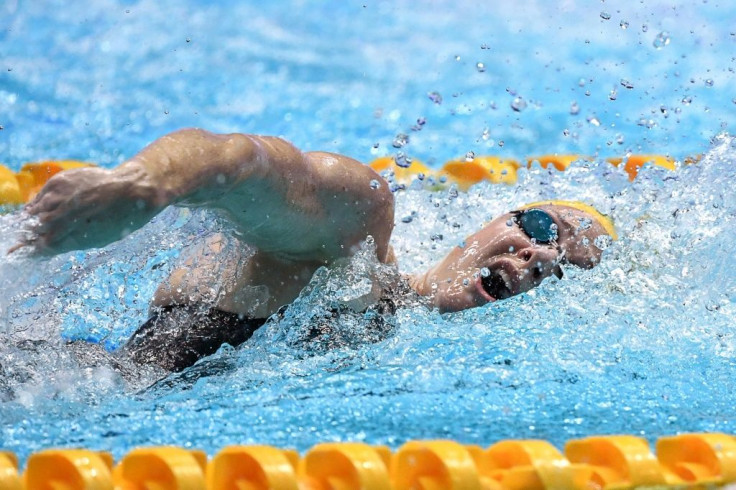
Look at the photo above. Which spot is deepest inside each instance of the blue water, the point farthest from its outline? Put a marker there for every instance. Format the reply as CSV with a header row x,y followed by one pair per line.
x,y
644,344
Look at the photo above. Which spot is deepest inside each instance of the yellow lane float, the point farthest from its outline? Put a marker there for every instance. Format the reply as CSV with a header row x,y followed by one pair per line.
x,y
597,462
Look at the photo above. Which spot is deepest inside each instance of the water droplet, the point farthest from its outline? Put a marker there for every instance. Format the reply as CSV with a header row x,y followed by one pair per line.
x,y
481,67
574,109
457,57
602,242
620,139
518,104
402,160
487,133
127,11
565,132
484,46
376,145
709,82
166,112
400,140
3,127
466,282
627,84
593,120
733,100
485,271
509,222
470,156
511,249
581,82
687,100
644,28
435,97
613,94
662,40
189,40
500,143
375,184
624,24
419,125
407,219
605,16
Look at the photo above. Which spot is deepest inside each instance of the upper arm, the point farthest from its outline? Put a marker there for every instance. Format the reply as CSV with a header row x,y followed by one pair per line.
x,y
294,205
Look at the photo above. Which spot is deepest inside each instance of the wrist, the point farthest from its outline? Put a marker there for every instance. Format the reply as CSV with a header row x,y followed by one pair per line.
x,y
133,180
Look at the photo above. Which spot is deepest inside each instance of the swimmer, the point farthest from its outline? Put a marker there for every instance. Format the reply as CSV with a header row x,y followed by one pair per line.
x,y
299,211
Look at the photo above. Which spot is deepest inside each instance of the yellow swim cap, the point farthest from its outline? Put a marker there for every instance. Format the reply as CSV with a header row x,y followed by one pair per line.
x,y
602,219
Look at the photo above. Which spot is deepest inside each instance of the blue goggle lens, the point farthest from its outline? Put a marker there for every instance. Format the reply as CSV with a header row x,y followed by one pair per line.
x,y
538,224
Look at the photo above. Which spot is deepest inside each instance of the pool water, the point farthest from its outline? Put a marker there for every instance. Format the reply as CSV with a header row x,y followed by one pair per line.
x,y
644,344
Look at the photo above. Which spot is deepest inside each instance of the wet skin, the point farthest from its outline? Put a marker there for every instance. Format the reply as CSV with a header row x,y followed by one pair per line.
x,y
299,210
514,262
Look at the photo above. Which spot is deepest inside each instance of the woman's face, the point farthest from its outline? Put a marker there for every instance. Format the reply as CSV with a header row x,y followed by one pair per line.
x,y
512,254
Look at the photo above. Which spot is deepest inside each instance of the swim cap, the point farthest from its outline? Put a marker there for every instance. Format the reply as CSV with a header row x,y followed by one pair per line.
x,y
602,219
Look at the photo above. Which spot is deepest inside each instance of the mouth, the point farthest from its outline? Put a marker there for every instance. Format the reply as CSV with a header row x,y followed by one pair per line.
x,y
497,285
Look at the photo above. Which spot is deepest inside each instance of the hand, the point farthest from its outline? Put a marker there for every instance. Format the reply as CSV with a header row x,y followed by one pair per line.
x,y
77,209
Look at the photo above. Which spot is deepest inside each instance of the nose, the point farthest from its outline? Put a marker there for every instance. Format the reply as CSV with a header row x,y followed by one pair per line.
x,y
537,263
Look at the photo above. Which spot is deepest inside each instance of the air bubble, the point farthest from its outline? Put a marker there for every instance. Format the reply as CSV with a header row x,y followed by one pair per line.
x,y
626,84
574,109
485,272
481,67
594,121
613,95
662,40
605,16
624,24
375,184
511,249
466,282
484,46
687,100
709,82
470,156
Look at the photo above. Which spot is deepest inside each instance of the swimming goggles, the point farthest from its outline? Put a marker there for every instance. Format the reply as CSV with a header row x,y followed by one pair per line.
x,y
537,224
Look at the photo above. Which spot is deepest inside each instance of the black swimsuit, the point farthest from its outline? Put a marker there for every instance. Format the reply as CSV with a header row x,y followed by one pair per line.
x,y
177,336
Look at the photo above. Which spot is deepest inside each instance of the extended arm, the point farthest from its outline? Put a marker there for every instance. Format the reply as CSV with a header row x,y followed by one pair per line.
x,y
293,205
